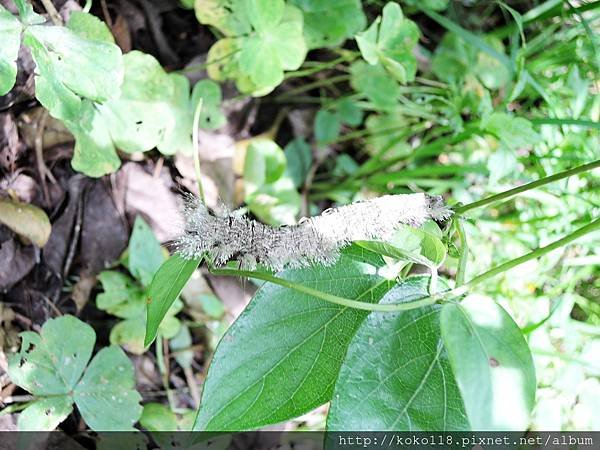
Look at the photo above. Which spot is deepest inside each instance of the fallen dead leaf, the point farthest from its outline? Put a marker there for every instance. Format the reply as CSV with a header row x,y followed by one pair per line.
x,y
26,220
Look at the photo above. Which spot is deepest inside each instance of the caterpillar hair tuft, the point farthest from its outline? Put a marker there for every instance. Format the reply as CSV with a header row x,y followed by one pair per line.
x,y
315,240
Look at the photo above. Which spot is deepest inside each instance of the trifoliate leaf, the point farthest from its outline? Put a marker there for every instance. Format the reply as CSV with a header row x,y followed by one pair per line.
x,y
375,84
50,366
211,116
328,23
299,159
514,132
145,252
226,15
94,153
255,54
389,41
89,27
106,395
91,69
140,118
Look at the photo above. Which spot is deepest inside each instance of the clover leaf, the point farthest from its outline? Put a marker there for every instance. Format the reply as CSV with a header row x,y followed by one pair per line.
x,y
211,116
52,366
375,84
264,39
70,67
328,23
389,41
125,298
269,190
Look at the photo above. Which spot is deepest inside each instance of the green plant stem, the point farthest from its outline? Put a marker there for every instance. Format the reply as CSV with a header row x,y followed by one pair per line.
x,y
464,252
316,84
557,121
163,369
592,226
526,187
458,291
317,68
323,295
196,149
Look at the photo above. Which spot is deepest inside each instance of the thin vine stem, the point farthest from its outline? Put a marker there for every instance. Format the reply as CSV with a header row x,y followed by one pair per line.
x,y
196,149
528,186
464,252
590,227
323,295
456,292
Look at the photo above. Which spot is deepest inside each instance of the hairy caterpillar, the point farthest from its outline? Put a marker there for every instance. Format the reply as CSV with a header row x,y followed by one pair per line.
x,y
312,241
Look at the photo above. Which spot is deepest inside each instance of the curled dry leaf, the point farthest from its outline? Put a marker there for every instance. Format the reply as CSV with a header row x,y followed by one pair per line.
x,y
26,220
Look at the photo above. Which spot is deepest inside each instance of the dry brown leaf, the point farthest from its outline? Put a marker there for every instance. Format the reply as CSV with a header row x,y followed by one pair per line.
x,y
26,220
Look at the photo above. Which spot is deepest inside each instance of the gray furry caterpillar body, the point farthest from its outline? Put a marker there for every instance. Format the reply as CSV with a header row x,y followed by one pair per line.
x,y
316,240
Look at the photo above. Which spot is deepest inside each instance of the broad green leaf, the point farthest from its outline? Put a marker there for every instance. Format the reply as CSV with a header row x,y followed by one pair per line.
x,y
299,160
281,357
396,375
228,16
10,30
50,365
211,116
61,102
211,305
276,203
178,138
385,249
106,395
501,163
421,241
26,220
435,5
145,252
387,135
492,73
166,285
514,132
143,114
94,153
375,84
264,14
121,296
491,362
455,59
264,163
287,40
89,27
129,333
91,69
269,192
45,414
349,113
158,417
180,347
256,58
389,41
260,62
222,59
327,126
328,23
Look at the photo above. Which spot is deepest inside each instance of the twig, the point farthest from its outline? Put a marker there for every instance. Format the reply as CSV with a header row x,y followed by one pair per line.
x,y
52,12
39,154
